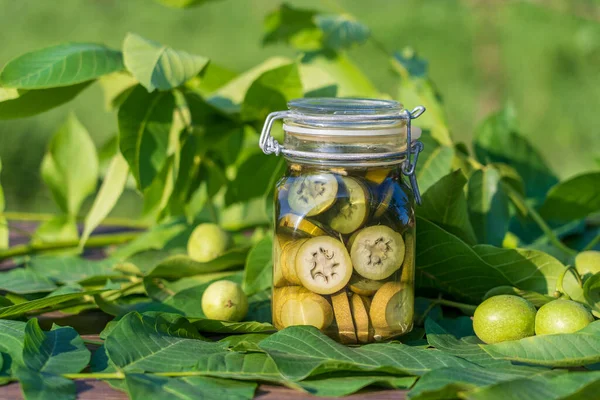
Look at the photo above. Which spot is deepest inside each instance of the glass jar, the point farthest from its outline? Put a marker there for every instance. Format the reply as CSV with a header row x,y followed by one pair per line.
x,y
344,243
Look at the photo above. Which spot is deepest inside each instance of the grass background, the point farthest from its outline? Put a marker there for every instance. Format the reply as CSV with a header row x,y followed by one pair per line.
x,y
542,56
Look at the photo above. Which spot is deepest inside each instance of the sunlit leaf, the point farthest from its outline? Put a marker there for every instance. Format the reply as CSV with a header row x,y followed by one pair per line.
x,y
159,67
145,121
108,195
70,167
61,65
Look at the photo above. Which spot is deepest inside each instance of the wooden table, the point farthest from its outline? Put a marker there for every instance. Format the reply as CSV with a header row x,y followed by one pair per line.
x,y
88,324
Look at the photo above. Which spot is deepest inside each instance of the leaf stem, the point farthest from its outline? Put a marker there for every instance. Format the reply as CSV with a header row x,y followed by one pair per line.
x,y
448,303
96,375
93,242
521,203
592,243
41,217
93,342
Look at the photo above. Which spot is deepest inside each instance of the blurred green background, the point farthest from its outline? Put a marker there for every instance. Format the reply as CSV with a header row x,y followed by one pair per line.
x,y
542,56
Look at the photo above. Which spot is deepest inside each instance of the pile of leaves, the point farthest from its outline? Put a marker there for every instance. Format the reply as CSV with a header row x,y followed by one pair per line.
x,y
494,221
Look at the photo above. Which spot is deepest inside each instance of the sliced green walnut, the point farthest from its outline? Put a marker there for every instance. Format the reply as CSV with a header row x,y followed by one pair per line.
x,y
377,252
323,265
312,194
386,194
359,306
297,225
343,318
377,175
364,286
353,210
392,309
302,307
288,265
278,260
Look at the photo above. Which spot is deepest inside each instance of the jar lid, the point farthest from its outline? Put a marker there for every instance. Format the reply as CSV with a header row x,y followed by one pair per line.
x,y
348,119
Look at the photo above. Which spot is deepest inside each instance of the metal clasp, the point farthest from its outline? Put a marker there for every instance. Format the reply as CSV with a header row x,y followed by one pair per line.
x,y
269,145
412,156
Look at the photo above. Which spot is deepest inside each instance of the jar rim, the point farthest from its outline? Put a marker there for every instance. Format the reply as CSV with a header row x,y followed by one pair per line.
x,y
336,106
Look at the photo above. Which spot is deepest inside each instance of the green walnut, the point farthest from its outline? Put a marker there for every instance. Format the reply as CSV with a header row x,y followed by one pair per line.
x,y
225,301
207,242
504,317
587,263
561,316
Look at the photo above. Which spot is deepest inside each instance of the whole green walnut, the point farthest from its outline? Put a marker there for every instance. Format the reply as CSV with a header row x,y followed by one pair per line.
x,y
587,263
225,301
207,242
504,317
561,316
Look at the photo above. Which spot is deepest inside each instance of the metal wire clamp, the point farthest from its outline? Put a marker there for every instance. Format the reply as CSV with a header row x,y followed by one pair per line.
x,y
269,145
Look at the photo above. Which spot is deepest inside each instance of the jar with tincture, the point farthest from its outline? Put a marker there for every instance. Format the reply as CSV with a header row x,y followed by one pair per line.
x,y
344,240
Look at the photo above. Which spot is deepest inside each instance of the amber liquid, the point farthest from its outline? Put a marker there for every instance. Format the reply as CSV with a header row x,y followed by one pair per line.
x,y
364,309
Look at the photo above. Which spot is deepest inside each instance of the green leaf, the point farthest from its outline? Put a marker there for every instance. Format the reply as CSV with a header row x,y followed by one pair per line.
x,y
180,266
488,206
417,89
574,385
70,269
12,334
70,167
229,97
496,140
346,385
25,281
39,304
435,162
185,294
591,291
443,340
573,199
139,343
3,222
59,351
537,299
481,268
341,32
116,87
145,120
215,326
258,274
142,387
560,350
61,65
183,3
303,351
159,67
246,342
233,365
293,26
157,237
26,103
213,77
256,177
108,195
59,228
43,386
325,69
271,91
450,383
444,203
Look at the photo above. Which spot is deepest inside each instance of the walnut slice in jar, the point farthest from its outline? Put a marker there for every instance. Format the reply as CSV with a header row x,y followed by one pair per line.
x,y
377,252
313,193
323,265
